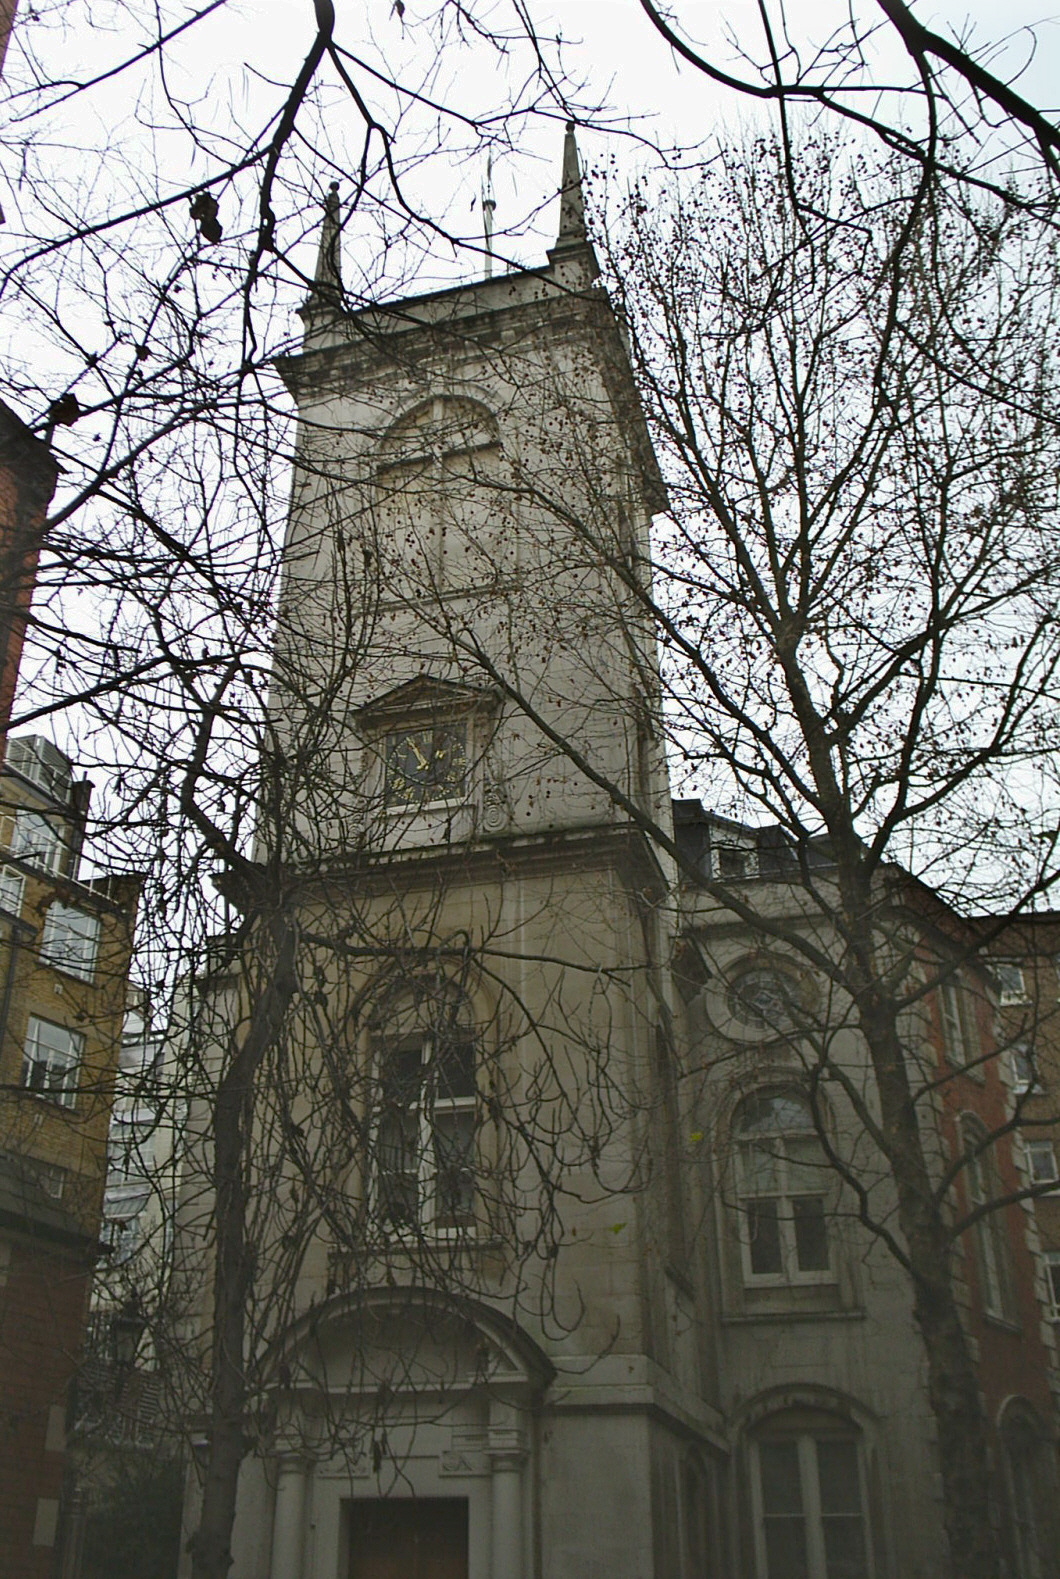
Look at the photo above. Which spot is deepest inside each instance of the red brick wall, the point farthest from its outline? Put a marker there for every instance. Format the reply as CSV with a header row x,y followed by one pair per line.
x,y
1012,1358
27,482
7,22
43,1297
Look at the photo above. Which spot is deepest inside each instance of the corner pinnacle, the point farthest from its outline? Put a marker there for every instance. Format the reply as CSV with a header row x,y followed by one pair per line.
x,y
572,232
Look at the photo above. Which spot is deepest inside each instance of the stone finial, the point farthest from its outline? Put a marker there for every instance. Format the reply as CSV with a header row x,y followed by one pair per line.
x,y
572,231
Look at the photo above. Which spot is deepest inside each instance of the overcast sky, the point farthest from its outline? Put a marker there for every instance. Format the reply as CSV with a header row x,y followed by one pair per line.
x,y
227,68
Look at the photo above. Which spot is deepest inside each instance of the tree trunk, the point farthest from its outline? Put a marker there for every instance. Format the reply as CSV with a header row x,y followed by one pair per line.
x,y
211,1544
953,1388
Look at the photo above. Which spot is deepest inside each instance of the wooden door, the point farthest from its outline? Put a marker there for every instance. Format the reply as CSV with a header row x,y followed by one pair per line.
x,y
408,1538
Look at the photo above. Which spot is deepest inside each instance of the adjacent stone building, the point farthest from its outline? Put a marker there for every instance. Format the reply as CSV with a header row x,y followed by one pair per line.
x,y
816,1339
582,1296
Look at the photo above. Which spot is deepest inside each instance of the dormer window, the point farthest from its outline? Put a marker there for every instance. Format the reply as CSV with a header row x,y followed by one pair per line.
x,y
730,861
42,763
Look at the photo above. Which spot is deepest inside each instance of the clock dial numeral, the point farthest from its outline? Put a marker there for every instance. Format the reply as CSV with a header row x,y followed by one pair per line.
x,y
426,764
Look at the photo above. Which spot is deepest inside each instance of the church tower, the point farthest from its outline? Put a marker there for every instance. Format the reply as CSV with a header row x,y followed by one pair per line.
x,y
553,1275
493,1368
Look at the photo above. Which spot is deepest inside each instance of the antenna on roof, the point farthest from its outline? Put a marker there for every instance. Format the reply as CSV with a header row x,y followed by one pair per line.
x,y
489,204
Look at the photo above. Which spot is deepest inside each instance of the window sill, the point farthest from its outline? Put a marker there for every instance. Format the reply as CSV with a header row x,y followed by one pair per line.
x,y
426,808
1002,1323
960,1069
789,1314
410,1239
774,1282
53,1100
67,973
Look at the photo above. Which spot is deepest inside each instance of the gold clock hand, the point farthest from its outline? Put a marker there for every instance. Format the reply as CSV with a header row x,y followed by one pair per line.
x,y
423,761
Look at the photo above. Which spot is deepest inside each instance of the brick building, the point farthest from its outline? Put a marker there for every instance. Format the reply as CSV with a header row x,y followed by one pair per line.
x,y
28,474
1025,958
986,1041
7,22
64,959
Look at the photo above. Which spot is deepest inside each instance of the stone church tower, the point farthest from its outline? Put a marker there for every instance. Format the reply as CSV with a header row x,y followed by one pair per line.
x,y
493,1367
566,1287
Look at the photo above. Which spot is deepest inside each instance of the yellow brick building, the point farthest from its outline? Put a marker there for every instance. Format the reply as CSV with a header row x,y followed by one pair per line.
x,y
65,946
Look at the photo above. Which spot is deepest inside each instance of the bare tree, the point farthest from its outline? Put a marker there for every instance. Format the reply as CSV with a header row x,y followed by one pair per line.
x,y
943,100
347,1096
854,589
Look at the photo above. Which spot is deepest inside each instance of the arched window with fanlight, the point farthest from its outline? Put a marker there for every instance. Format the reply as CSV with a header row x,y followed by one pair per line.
x,y
782,1181
808,1497
424,1130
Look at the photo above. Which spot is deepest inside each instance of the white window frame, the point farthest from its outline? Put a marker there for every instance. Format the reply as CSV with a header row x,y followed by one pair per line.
x,y
424,1115
1022,1083
36,840
51,1178
70,942
791,1274
12,890
995,1281
37,759
123,1236
58,1060
1047,1151
1051,1269
810,1498
954,1016
1016,990
131,1146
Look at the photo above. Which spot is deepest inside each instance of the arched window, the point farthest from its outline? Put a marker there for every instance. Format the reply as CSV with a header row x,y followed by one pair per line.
x,y
808,1498
991,1249
1031,1487
441,502
783,1181
425,1111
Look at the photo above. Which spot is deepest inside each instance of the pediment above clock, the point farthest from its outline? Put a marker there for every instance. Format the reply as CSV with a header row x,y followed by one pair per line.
x,y
426,697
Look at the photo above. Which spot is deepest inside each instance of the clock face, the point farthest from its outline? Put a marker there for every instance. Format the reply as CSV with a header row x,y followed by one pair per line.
x,y
426,764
